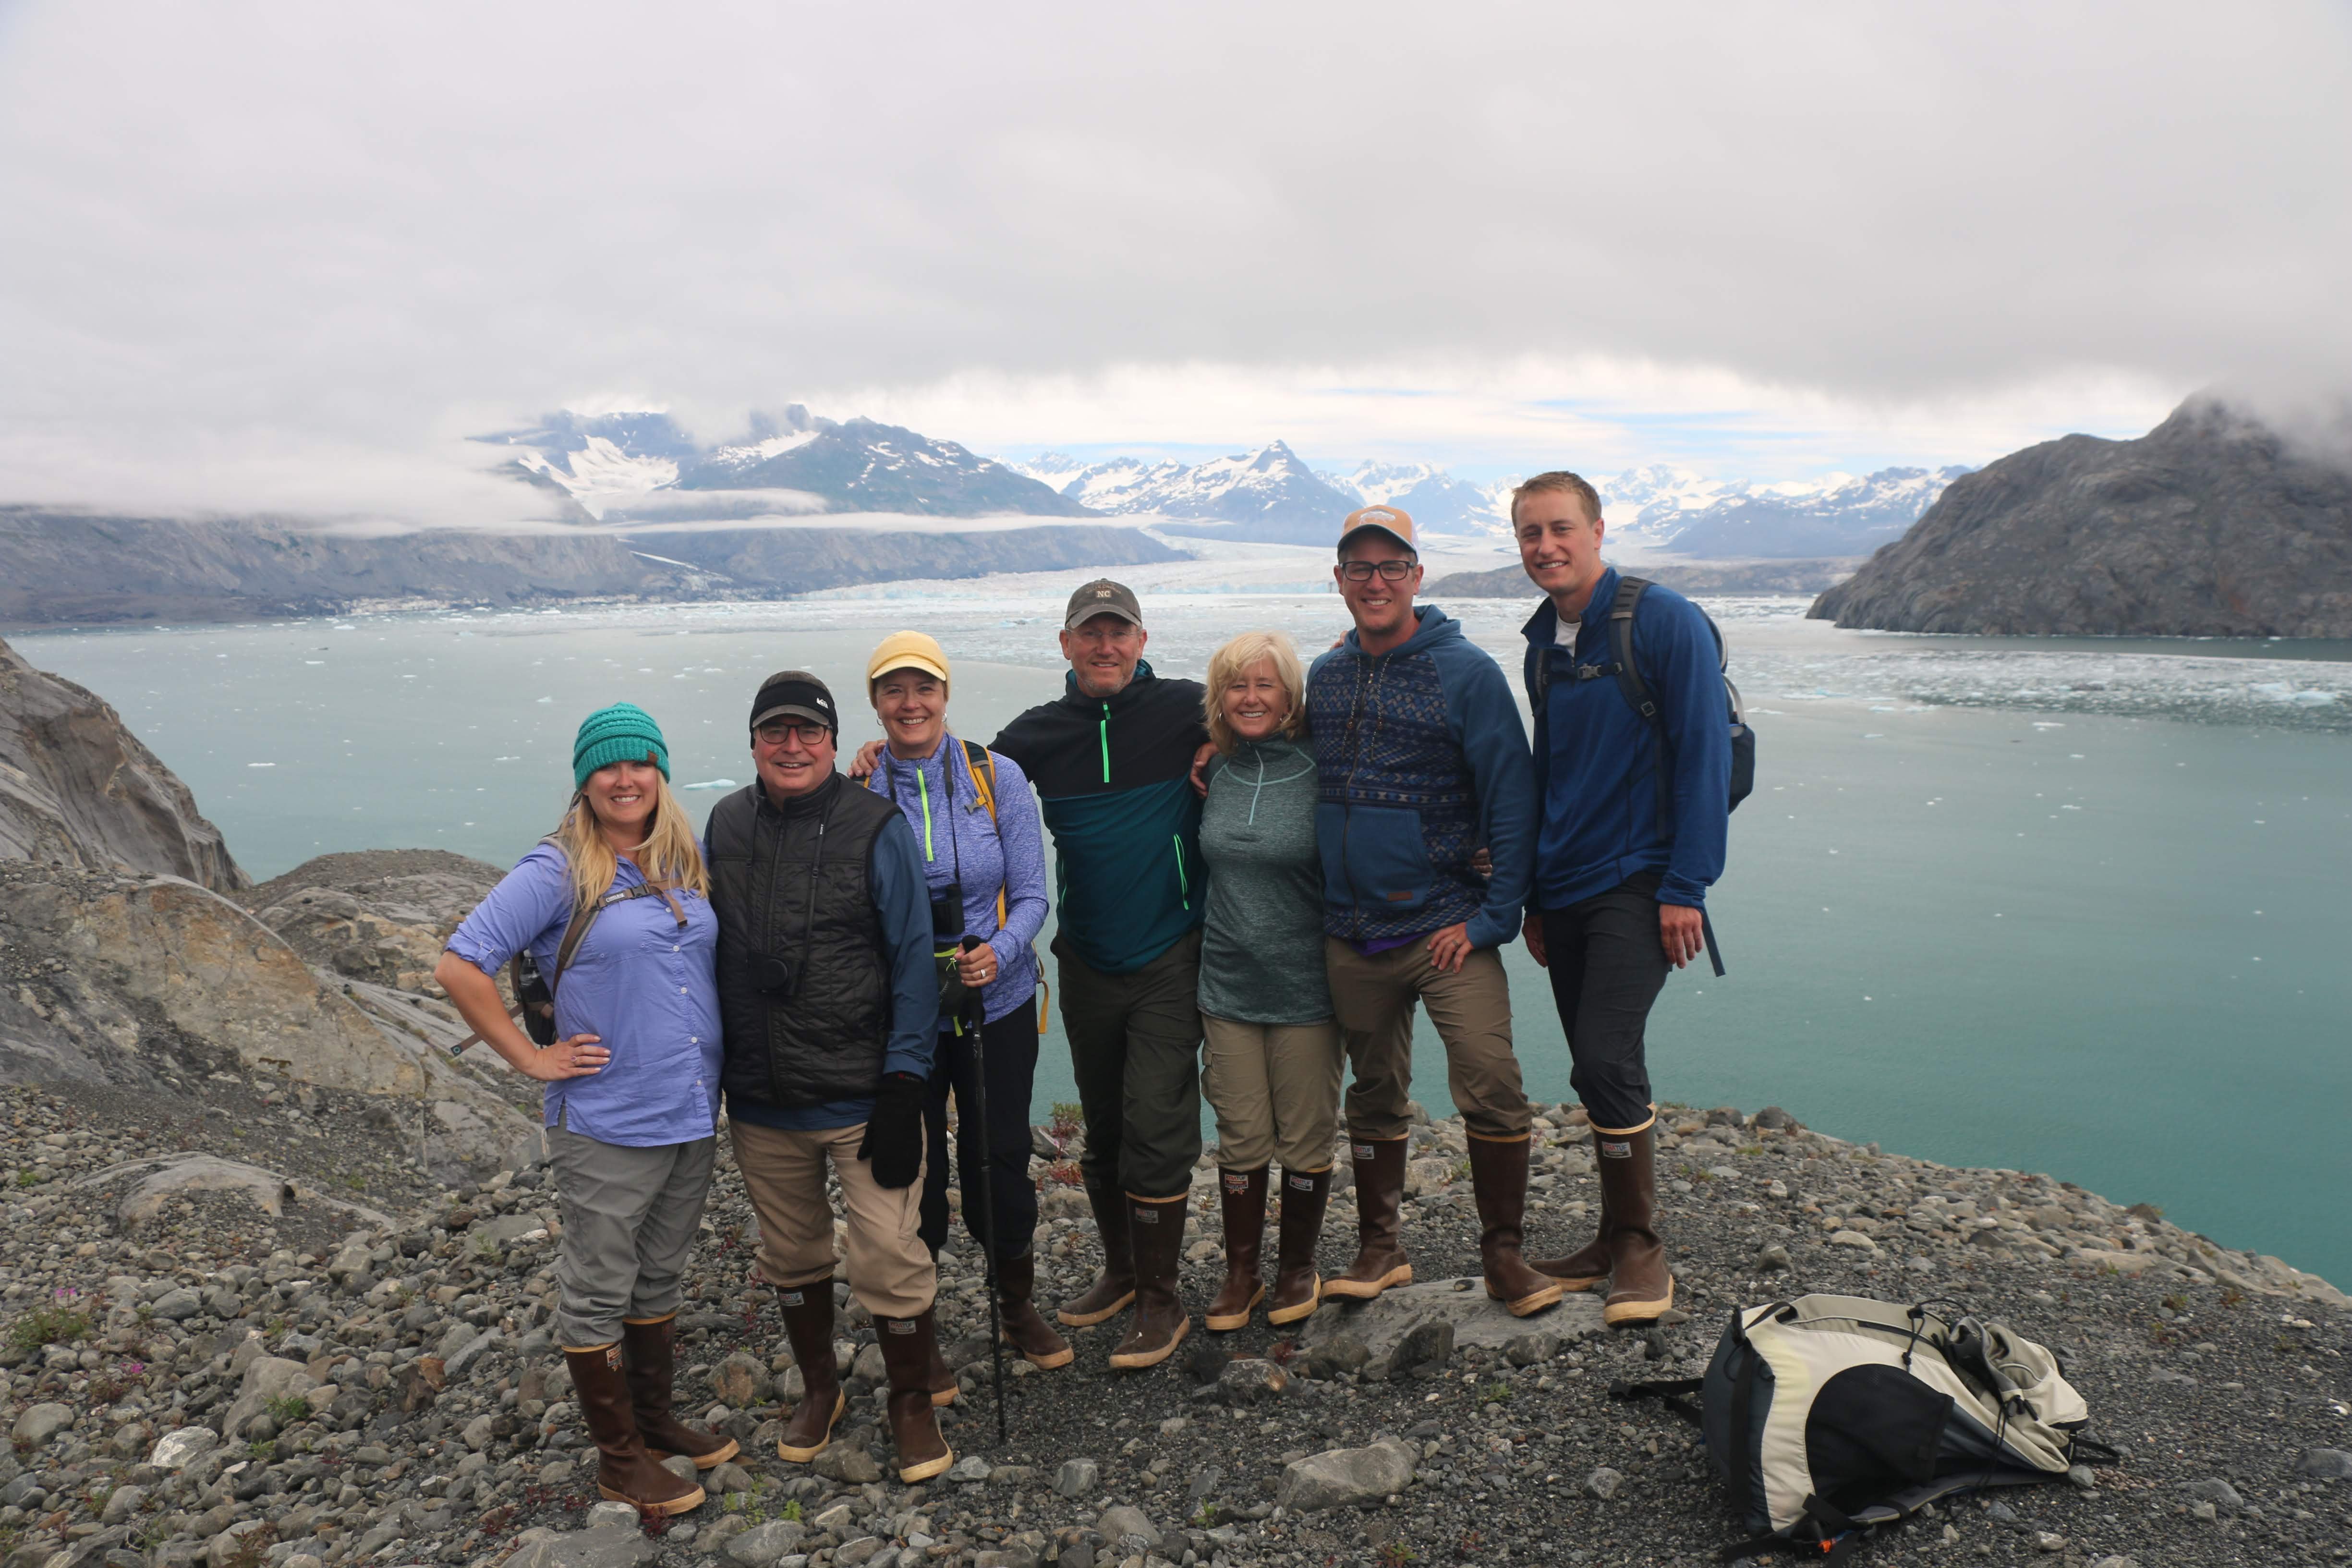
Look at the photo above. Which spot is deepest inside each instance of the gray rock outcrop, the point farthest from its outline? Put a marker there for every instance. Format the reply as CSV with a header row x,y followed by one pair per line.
x,y
77,788
2210,525
377,915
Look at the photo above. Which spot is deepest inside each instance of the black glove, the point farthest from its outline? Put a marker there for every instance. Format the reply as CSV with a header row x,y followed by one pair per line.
x,y
894,1133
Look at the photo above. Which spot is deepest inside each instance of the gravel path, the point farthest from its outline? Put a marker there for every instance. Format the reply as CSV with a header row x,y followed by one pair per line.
x,y
232,1387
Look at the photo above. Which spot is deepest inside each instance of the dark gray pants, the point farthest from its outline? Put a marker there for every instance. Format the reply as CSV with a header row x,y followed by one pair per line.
x,y
629,1220
1134,1049
1607,966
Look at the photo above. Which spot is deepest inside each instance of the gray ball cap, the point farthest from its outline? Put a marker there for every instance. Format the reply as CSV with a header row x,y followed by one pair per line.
x,y
1102,597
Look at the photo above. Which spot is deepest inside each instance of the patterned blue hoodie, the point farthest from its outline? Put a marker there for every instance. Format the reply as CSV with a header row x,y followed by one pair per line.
x,y
1422,759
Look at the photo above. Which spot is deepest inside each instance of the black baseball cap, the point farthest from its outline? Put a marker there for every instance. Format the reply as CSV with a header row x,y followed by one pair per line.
x,y
794,694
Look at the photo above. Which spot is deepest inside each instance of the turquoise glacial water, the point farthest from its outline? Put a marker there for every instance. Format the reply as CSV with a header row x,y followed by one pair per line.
x,y
2062,906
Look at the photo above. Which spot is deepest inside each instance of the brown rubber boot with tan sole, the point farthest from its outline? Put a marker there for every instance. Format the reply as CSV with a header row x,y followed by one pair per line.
x,y
1498,1179
1297,1288
625,1471
1380,1260
1161,1323
1242,1194
1110,1295
908,1347
650,1350
1641,1288
1025,1329
808,1323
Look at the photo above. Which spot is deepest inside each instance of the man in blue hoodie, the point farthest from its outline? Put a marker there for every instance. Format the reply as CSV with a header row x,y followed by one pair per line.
x,y
1423,762
1634,811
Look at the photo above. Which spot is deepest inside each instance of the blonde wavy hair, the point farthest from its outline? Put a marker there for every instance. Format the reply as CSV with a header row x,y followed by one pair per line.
x,y
1238,655
670,856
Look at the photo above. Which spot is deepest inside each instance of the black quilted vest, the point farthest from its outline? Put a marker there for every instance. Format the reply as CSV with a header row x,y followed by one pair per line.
x,y
794,882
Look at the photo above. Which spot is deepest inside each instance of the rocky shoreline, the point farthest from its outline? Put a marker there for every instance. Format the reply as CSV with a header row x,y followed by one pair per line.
x,y
261,1372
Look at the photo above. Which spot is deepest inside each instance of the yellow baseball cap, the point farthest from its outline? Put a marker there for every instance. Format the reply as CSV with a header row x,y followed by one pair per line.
x,y
1389,519
907,650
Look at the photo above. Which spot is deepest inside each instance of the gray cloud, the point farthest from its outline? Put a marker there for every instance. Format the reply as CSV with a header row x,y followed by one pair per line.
x,y
295,253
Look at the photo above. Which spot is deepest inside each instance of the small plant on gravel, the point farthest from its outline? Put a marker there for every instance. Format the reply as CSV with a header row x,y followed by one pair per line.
x,y
1394,1554
1069,1116
58,1324
251,1551
2233,1297
1066,1173
1470,1545
792,1510
27,1179
2176,1303
262,1450
288,1409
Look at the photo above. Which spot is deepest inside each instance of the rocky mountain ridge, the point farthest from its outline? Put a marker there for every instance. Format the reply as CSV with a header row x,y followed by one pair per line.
x,y
2210,525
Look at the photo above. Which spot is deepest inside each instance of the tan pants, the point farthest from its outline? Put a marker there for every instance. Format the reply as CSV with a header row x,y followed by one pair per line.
x,y
783,1175
1374,1000
1276,1090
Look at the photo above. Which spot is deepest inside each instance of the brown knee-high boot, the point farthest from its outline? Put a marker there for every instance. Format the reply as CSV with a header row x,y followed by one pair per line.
x,y
651,1352
1109,1295
1024,1330
907,1346
1297,1288
1639,1287
1380,1260
1160,1322
1498,1178
1243,1196
625,1471
808,1323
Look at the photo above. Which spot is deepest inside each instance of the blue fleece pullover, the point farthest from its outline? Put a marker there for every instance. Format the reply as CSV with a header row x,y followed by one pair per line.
x,y
1597,761
1421,759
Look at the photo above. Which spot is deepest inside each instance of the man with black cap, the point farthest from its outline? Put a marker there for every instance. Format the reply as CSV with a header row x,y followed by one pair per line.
x,y
829,1000
1112,762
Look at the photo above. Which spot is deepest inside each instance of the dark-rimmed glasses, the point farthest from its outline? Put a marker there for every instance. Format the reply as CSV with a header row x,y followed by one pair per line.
x,y
1389,570
811,735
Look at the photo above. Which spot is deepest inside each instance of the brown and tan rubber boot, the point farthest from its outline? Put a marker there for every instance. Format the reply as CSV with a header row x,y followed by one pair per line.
x,y
808,1323
1161,1323
1109,1295
938,1377
625,1471
1641,1288
650,1350
1243,1196
1380,1260
1024,1330
908,1348
1297,1288
1498,1176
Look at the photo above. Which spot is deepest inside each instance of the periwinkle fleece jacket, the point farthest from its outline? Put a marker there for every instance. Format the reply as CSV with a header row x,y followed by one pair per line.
x,y
1113,778
1423,759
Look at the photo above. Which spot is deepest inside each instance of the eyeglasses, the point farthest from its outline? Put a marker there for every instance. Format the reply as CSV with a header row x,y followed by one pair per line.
x,y
811,736
1389,570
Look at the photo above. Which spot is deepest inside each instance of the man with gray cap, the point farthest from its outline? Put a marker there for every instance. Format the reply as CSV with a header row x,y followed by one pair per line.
x,y
829,1002
1112,761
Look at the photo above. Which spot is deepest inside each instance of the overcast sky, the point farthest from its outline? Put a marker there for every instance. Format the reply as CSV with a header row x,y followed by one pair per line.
x,y
287,256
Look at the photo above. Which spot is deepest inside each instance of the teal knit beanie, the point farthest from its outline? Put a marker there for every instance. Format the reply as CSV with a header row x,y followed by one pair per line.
x,y
623,732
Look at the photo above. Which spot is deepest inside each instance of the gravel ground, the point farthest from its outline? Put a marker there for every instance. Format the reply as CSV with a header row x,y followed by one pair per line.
x,y
346,1391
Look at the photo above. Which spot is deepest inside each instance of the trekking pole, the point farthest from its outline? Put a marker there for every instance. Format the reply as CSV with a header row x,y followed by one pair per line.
x,y
977,1017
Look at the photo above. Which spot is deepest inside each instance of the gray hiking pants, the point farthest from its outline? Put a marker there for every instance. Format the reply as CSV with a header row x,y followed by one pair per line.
x,y
630,1216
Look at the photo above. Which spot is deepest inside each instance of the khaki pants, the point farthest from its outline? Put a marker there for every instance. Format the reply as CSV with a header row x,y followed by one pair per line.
x,y
1276,1090
1374,999
783,1174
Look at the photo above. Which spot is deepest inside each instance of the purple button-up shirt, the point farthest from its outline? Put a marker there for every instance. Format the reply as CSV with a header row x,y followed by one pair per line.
x,y
639,982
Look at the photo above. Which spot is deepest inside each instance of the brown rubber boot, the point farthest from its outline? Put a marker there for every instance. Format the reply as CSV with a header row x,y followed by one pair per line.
x,y
938,1377
1589,1265
1640,1287
1297,1288
1380,1260
650,1351
625,1471
908,1348
1024,1330
1243,1194
808,1323
1109,1296
1161,1323
1498,1176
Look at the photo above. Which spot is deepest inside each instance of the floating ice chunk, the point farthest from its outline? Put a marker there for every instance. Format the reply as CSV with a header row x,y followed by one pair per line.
x,y
714,783
545,700
261,764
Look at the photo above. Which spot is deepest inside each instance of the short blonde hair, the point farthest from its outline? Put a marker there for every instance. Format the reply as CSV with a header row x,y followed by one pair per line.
x,y
1575,485
1238,655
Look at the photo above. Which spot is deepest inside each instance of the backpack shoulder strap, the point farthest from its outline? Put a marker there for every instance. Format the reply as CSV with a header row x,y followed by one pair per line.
x,y
982,764
1620,650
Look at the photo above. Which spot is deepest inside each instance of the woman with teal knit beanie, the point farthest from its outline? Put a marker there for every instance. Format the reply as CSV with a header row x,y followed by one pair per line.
x,y
632,1096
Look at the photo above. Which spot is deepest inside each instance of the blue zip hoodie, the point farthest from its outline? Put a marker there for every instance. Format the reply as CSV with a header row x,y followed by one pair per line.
x,y
1421,759
1597,759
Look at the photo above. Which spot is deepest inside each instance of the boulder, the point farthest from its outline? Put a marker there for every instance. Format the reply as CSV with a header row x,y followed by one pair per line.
x,y
174,1174
1118,1524
1346,1477
375,915
760,1546
39,1422
2324,1464
1387,1326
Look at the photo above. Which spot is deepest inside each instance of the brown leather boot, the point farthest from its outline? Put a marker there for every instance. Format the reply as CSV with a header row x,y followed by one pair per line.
x,y
651,1354
1297,1288
1161,1323
1380,1260
1024,1330
625,1471
1639,1287
908,1348
1498,1176
1109,1296
1243,1194
808,1323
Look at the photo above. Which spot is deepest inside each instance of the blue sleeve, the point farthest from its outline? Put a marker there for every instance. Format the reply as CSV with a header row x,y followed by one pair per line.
x,y
905,905
529,901
1689,679
1024,844
1486,722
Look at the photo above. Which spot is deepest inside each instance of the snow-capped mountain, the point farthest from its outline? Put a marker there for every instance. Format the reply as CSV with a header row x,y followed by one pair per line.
x,y
1837,514
1431,497
1267,497
614,466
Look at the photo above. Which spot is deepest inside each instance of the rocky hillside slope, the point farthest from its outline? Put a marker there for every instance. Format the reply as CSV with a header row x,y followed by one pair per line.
x,y
77,789
60,567
2210,525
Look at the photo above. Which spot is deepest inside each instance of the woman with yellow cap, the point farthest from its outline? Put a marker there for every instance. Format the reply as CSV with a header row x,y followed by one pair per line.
x,y
984,859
